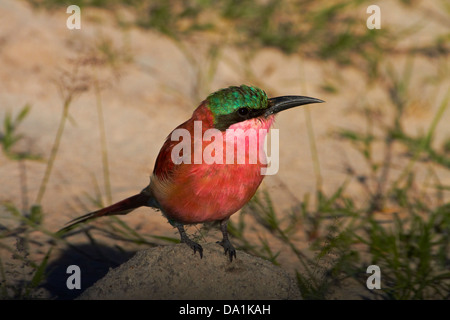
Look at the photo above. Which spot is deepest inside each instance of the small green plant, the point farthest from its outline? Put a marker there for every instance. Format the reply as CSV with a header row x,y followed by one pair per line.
x,y
70,85
12,282
413,254
9,136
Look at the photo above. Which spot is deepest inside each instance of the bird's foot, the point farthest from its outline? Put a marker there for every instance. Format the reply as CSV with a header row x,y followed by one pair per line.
x,y
194,246
185,239
226,244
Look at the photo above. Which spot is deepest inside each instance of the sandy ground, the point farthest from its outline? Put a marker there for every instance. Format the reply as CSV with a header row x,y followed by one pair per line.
x,y
171,273
152,87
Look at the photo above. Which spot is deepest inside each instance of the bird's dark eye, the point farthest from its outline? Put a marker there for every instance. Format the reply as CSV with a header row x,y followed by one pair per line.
x,y
243,112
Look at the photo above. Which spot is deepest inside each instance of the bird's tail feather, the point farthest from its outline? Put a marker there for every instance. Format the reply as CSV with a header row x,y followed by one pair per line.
x,y
120,208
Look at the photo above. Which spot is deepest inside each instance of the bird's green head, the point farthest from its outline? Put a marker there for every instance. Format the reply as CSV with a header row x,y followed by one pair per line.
x,y
235,104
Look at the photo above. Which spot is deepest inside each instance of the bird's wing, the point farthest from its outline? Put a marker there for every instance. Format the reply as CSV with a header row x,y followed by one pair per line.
x,y
165,168
164,165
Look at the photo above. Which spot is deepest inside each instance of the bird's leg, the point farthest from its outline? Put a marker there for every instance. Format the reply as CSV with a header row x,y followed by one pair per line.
x,y
225,243
185,239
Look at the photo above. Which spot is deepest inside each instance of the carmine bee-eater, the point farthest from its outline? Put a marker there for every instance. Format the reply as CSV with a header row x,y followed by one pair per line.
x,y
189,191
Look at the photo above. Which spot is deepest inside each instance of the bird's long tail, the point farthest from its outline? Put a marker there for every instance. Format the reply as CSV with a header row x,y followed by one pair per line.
x,y
120,208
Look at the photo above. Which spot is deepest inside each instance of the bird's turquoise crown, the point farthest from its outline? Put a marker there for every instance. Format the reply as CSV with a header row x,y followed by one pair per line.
x,y
228,100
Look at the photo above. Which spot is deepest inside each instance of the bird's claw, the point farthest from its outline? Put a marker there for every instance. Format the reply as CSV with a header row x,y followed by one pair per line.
x,y
194,246
226,244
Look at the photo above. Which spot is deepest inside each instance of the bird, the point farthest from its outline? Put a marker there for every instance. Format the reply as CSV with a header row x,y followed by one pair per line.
x,y
194,181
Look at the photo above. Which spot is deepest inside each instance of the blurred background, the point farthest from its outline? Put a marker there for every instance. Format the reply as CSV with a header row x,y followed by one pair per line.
x,y
364,178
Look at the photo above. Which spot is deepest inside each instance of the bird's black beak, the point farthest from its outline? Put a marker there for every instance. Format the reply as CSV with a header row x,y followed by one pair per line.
x,y
278,104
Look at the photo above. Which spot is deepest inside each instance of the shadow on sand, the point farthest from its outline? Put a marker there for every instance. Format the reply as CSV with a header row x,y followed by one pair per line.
x,y
94,262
